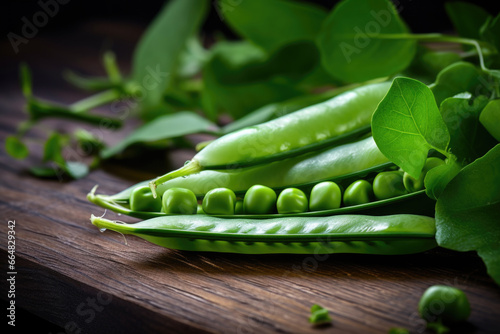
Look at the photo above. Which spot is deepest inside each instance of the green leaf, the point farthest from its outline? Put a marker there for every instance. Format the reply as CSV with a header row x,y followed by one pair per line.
x,y
279,22
427,64
240,78
53,149
319,315
469,140
46,172
467,211
76,170
458,78
349,42
407,124
16,148
490,31
467,18
157,53
164,127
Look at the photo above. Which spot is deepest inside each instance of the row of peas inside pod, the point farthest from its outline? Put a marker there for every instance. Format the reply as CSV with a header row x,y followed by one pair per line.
x,y
262,200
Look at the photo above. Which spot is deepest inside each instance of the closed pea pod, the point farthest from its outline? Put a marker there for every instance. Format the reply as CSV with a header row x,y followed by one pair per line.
x,y
392,234
293,134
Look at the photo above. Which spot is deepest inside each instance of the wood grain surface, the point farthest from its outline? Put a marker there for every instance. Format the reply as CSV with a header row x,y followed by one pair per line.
x,y
85,281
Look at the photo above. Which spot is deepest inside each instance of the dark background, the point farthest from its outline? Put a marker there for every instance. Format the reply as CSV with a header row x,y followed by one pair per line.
x,y
421,15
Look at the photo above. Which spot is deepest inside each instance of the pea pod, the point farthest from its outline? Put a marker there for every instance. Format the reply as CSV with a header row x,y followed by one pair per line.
x,y
318,126
350,160
389,235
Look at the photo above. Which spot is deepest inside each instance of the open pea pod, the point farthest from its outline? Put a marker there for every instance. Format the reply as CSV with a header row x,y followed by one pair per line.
x,y
362,234
342,164
348,161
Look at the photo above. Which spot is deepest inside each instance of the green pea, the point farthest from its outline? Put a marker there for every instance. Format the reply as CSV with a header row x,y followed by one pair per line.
x,y
292,200
441,303
325,196
411,184
388,185
179,201
238,207
219,201
141,199
358,192
259,199
199,210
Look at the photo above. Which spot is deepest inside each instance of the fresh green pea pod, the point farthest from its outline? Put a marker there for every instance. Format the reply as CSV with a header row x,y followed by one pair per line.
x,y
345,161
348,161
318,126
389,235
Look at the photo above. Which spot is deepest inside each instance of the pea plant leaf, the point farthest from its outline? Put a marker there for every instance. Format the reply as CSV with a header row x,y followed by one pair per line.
x,y
282,22
161,128
157,53
467,18
349,42
458,78
407,124
467,211
469,140
16,148
240,77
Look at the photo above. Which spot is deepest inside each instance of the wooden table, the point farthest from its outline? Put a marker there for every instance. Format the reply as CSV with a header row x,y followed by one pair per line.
x,y
72,275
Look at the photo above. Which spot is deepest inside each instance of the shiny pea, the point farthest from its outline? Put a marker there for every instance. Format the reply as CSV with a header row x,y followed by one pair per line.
x,y
259,199
238,207
358,192
411,184
179,201
141,199
388,185
219,201
325,196
292,200
441,303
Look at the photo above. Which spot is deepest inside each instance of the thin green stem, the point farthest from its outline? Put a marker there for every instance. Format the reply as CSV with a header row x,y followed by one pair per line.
x,y
95,101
